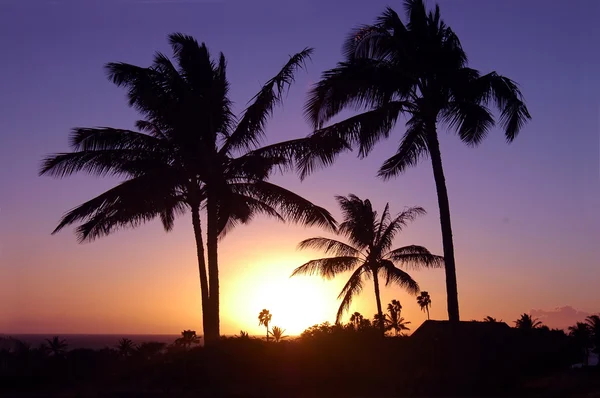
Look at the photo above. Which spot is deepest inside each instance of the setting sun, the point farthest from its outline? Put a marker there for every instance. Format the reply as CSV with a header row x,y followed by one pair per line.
x,y
295,303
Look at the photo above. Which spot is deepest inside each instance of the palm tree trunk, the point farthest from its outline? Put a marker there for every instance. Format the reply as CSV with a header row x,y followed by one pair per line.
x,y
213,266
267,326
444,205
202,269
427,309
378,300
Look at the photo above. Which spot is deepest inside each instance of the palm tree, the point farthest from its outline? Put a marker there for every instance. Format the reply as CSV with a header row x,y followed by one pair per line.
x,y
188,338
581,333
527,322
490,319
57,347
368,252
356,320
244,335
424,301
125,347
419,69
393,320
190,153
264,318
593,322
278,334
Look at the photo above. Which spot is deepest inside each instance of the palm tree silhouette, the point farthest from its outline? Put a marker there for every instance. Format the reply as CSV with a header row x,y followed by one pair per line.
x,y
278,334
394,320
490,319
424,301
356,320
191,153
125,347
581,333
264,318
56,346
188,338
419,69
593,322
368,253
527,322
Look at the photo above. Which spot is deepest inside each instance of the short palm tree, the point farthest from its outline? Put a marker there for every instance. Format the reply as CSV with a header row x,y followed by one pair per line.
x,y
527,322
278,334
56,346
424,301
581,333
125,347
356,320
264,318
418,69
490,319
368,252
188,338
394,321
593,322
191,153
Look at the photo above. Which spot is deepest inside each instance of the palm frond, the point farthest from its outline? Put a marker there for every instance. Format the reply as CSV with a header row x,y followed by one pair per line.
x,y
329,246
251,128
396,225
352,288
237,209
471,120
291,206
107,138
359,221
415,257
361,84
129,204
395,275
327,268
412,149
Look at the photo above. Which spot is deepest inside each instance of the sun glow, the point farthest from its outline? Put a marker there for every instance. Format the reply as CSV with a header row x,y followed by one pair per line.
x,y
295,303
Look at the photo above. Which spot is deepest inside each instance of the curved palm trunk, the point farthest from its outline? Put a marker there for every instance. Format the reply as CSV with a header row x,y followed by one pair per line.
x,y
202,269
213,333
378,300
442,194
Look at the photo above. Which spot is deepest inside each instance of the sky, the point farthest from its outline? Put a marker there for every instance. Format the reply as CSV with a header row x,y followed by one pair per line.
x,y
525,216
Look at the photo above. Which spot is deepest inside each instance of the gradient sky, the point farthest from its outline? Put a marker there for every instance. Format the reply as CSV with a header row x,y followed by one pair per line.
x,y
525,216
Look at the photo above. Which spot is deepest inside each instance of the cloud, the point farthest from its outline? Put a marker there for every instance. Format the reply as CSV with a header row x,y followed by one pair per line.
x,y
561,317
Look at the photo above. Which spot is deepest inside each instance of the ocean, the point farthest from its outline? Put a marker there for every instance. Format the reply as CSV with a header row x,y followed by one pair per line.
x,y
94,341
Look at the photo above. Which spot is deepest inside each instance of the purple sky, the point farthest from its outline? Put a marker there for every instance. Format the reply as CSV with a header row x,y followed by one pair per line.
x,y
525,215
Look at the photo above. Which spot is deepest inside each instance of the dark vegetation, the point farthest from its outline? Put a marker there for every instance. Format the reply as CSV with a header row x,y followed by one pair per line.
x,y
440,358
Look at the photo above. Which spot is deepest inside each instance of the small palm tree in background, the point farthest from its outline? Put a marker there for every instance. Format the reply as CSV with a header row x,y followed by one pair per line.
x,y
264,318
278,334
490,319
424,301
593,322
356,320
394,321
369,252
56,346
581,333
243,335
125,347
527,322
187,339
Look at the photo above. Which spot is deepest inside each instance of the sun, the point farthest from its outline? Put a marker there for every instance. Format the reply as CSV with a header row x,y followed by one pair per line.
x,y
294,303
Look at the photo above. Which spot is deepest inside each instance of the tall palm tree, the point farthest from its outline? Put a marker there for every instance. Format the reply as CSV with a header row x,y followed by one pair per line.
x,y
188,338
264,318
593,322
424,301
394,320
191,153
527,322
419,69
368,252
57,347
581,333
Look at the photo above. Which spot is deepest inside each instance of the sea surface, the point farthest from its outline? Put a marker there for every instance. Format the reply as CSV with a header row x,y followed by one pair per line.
x,y
94,341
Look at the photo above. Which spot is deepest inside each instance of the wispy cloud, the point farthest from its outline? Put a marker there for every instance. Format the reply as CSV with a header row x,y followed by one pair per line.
x,y
561,317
